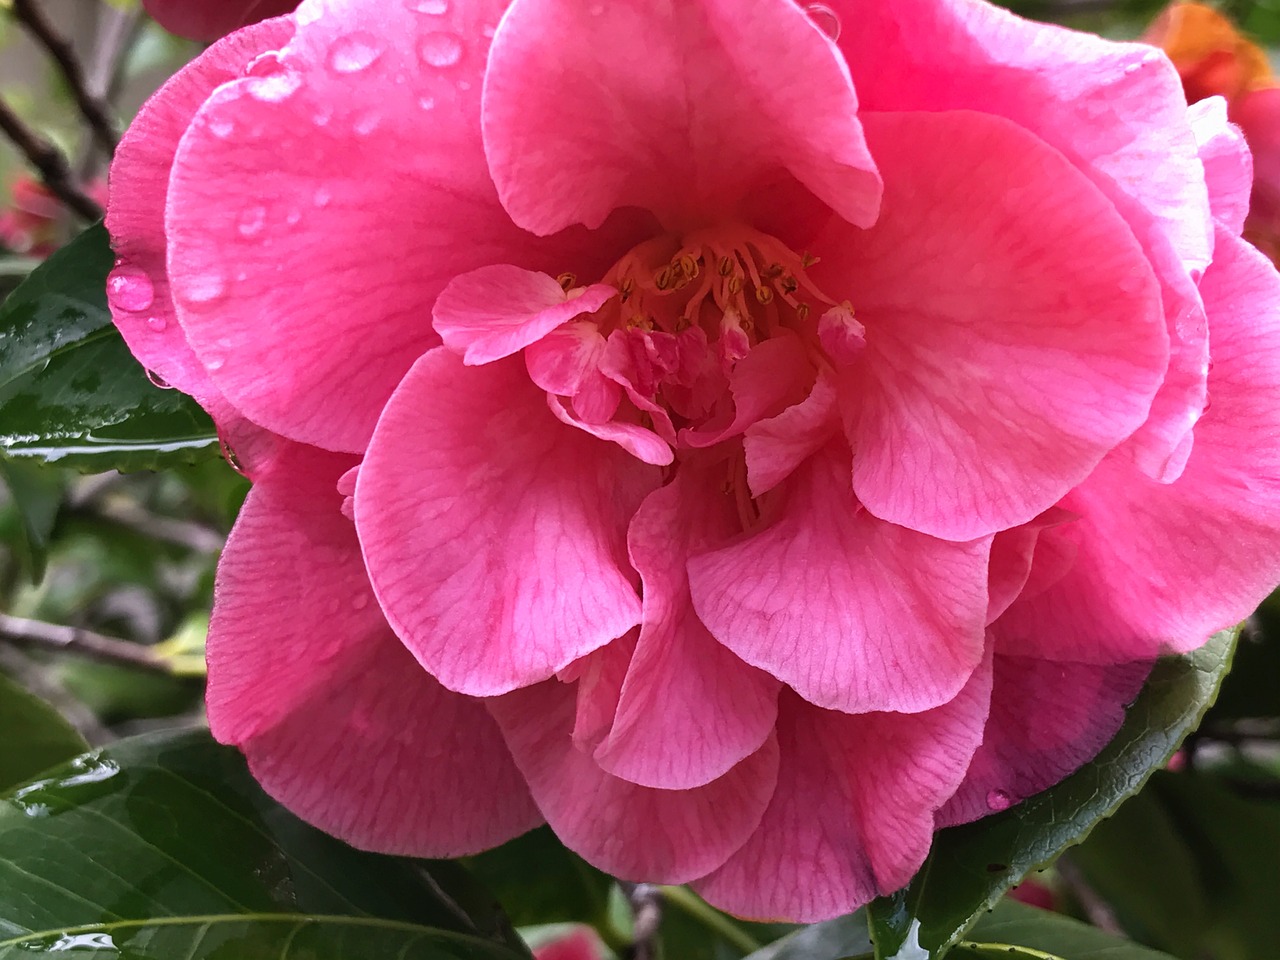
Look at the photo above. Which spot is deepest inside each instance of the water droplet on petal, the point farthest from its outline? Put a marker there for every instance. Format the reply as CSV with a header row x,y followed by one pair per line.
x,y
824,18
206,288
158,381
216,363
221,127
322,197
276,87
354,52
157,323
440,49
309,13
360,602
433,7
129,288
998,800
293,216
366,123
427,103
265,65
251,221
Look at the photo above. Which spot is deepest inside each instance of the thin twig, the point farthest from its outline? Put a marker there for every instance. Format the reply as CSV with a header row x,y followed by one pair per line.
x,y
50,162
186,534
52,636
118,30
646,911
1095,908
93,109
30,675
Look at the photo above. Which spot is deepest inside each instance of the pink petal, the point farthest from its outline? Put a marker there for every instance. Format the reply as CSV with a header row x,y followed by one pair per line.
x,y
1029,746
629,831
690,710
1228,167
337,721
777,446
494,535
683,110
853,814
1013,326
1159,567
138,289
1012,554
566,362
203,20
820,597
641,442
351,164
599,677
1115,111
498,310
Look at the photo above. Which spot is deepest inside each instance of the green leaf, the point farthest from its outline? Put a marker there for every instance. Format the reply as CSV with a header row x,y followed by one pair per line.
x,y
166,847
37,495
692,929
971,866
70,390
830,940
33,735
1014,931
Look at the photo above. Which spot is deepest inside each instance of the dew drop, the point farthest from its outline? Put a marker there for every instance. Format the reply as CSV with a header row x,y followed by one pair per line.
x,y
264,65
293,217
276,87
309,13
221,127
824,18
366,123
158,381
216,363
360,602
322,197
354,52
440,49
998,800
251,221
427,103
433,7
206,288
128,288
157,324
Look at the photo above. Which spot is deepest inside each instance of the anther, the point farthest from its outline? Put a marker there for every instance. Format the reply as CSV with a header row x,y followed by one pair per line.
x,y
688,265
725,267
567,281
734,285
802,311
663,279
789,284
764,294
807,260
771,271
627,288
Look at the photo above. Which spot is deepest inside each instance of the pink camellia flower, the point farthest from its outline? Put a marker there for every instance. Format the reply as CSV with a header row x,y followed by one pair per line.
x,y
211,19
746,436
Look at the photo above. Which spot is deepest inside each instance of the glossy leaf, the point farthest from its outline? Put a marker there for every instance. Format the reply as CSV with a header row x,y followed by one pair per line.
x,y
1014,931
166,847
33,736
36,495
70,390
971,866
830,940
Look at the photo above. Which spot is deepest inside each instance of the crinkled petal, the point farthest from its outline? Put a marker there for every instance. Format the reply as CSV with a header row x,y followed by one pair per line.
x,y
500,309
1013,326
853,814
351,164
139,294
629,831
1028,746
689,709
337,721
1115,111
679,108
1013,553
777,446
1228,167
820,596
1139,587
494,535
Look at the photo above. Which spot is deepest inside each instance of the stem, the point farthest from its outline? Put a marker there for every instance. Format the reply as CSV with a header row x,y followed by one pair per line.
x,y
712,918
37,633
118,29
93,109
49,162
646,909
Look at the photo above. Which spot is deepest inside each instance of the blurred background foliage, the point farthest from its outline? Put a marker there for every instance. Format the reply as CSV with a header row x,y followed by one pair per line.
x,y
1191,866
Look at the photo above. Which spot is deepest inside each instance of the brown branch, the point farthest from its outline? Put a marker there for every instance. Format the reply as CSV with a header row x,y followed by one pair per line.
x,y
52,636
1094,906
645,900
92,108
50,162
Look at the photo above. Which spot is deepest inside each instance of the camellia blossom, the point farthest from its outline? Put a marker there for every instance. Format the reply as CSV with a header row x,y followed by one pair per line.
x,y
211,19
746,436
1216,60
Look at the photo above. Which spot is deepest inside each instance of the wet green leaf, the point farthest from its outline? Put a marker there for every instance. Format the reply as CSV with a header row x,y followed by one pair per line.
x,y
36,494
830,940
164,846
70,390
1014,931
33,735
971,866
